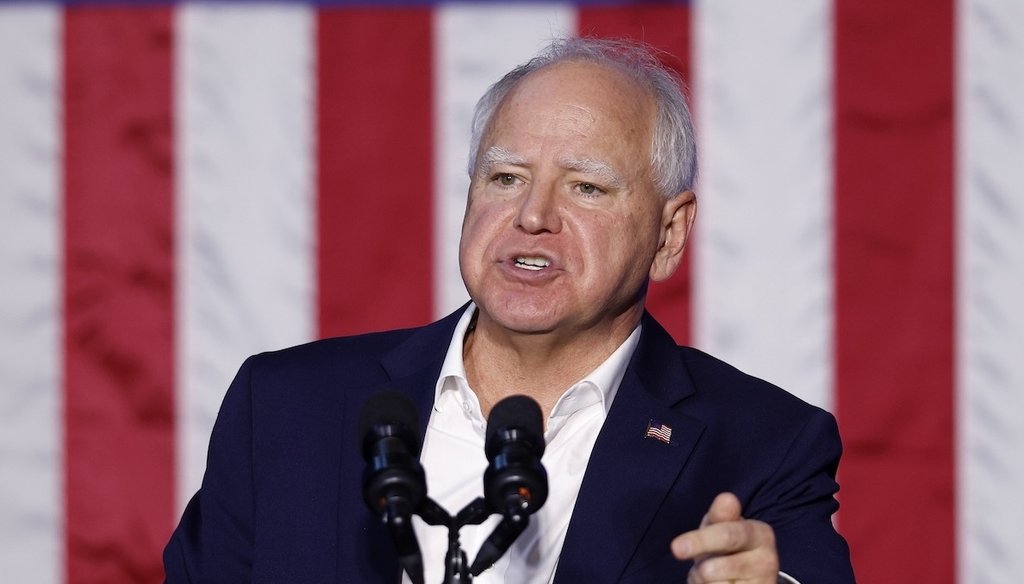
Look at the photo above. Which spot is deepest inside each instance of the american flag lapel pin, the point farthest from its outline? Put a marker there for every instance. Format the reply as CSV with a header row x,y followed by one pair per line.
x,y
658,431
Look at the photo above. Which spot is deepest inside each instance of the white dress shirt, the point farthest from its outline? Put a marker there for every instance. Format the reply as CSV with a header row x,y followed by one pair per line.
x,y
454,461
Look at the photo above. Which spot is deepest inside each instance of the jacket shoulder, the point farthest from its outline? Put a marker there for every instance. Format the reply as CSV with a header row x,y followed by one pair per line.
x,y
349,353
714,379
363,359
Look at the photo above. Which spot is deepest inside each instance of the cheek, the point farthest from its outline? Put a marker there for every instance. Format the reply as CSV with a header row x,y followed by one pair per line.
x,y
470,254
479,228
627,244
606,233
471,223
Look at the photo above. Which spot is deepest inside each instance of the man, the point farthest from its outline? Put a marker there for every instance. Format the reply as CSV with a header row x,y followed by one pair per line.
x,y
665,465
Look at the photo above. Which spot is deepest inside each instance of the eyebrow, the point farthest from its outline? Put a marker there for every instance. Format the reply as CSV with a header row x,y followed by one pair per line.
x,y
593,167
496,155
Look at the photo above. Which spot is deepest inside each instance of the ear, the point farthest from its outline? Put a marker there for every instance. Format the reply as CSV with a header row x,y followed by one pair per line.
x,y
676,221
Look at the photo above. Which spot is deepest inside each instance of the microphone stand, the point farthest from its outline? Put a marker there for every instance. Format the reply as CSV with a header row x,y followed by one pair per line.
x,y
456,565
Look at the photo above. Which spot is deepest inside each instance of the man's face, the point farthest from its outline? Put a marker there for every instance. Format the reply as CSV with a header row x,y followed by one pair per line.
x,y
562,221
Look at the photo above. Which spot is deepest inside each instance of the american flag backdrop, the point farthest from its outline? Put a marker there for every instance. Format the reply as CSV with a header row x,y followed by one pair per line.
x,y
184,184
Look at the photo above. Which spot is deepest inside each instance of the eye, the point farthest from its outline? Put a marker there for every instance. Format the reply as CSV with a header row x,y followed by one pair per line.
x,y
589,189
505,179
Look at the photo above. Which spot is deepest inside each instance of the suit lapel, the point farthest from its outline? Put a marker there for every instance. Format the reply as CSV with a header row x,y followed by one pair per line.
x,y
411,368
629,474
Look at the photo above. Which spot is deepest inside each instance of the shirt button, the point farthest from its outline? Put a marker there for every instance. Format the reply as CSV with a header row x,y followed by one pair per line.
x,y
466,406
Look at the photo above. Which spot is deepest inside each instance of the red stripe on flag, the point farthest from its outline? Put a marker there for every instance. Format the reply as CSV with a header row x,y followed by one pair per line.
x,y
894,286
666,27
118,293
375,169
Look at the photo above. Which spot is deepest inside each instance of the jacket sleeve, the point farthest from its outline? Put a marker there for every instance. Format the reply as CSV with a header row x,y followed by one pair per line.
x,y
214,540
799,501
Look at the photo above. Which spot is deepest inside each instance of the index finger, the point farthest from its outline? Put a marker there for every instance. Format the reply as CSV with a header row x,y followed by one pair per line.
x,y
719,538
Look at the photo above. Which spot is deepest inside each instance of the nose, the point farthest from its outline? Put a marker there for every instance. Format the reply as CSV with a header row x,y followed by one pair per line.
x,y
538,210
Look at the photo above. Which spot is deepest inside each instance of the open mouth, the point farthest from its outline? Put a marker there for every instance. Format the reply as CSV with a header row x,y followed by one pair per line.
x,y
532,263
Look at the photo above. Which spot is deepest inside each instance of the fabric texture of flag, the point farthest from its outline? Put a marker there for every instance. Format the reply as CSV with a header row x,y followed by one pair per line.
x,y
184,184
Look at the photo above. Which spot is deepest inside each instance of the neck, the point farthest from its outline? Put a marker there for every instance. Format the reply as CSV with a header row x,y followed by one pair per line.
x,y
500,363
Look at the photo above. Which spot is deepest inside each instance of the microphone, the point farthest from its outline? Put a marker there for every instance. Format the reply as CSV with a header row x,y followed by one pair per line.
x,y
394,485
515,482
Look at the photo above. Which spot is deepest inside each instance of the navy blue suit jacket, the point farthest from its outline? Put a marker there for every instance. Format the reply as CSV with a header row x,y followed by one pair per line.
x,y
281,499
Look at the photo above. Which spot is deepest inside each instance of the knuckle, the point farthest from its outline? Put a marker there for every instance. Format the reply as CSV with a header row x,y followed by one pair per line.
x,y
735,536
711,569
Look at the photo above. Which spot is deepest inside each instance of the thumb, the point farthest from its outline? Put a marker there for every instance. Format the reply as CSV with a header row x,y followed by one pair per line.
x,y
725,507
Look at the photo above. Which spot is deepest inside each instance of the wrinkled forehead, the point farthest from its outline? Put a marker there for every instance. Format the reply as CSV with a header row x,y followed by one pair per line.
x,y
585,81
575,99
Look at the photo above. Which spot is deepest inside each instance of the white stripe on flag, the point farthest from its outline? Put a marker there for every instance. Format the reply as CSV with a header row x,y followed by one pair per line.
x,y
763,287
990,276
475,46
246,229
31,540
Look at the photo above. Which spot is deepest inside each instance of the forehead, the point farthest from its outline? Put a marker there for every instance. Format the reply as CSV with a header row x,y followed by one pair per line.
x,y
581,102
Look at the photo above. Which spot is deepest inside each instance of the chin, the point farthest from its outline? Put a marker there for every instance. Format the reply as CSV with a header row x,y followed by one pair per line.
x,y
529,328
522,317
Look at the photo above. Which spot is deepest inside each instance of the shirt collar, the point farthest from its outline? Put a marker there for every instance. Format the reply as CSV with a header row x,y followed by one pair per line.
x,y
600,385
453,366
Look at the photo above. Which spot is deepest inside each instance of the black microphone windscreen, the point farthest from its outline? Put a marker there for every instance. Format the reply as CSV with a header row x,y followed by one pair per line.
x,y
394,485
520,412
388,407
515,482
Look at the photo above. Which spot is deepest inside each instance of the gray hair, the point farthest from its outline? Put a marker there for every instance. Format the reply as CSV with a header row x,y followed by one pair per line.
x,y
673,147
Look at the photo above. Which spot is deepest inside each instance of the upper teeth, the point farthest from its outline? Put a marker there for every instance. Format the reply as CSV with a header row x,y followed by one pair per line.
x,y
532,263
